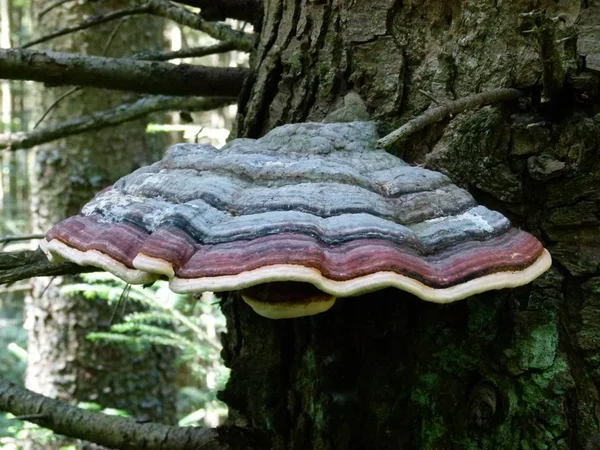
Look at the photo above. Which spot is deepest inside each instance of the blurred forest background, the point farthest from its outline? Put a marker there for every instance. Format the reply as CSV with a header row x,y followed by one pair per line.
x,y
41,185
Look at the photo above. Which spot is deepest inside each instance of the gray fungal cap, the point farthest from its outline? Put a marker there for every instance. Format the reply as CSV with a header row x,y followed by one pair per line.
x,y
309,203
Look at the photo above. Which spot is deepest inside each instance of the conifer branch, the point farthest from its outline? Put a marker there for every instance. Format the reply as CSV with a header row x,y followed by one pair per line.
x,y
88,23
120,432
59,69
243,10
108,118
16,266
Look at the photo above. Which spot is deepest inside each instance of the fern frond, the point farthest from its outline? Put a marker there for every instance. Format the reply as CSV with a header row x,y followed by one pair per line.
x,y
150,317
159,340
131,342
151,331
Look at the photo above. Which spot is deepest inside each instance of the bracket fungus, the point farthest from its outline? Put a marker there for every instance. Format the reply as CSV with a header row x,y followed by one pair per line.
x,y
308,213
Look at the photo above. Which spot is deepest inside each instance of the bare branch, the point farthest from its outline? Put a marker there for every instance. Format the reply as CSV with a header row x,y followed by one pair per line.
x,y
55,103
102,119
88,23
20,237
52,6
243,10
121,432
221,47
120,73
242,41
16,266
75,89
440,112
194,52
219,31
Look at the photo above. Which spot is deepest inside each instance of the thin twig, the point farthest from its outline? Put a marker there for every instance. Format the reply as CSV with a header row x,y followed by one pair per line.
x,y
243,41
21,237
242,10
112,35
430,97
47,287
78,88
441,112
195,52
115,116
51,6
55,103
92,21
122,298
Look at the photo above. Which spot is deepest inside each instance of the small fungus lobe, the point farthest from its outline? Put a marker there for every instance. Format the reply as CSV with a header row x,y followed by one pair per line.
x,y
308,213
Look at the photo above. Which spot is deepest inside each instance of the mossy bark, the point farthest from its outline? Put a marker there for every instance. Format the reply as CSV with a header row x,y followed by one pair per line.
x,y
512,369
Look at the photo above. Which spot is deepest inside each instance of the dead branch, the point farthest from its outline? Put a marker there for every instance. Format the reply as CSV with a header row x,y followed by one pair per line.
x,y
91,22
446,109
194,52
243,10
16,266
221,47
102,119
77,88
147,77
55,103
243,41
20,237
52,6
120,432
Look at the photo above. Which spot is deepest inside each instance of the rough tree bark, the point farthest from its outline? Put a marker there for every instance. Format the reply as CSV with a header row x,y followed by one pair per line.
x,y
514,369
62,363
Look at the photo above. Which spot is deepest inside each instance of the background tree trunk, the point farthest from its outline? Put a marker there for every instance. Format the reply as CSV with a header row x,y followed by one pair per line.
x,y
514,369
62,363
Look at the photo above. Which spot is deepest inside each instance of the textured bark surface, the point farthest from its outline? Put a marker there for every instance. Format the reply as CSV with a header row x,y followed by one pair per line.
x,y
62,363
514,369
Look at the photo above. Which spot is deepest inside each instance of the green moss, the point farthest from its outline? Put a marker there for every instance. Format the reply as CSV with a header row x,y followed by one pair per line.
x,y
319,418
428,383
433,433
537,347
559,368
454,359
542,401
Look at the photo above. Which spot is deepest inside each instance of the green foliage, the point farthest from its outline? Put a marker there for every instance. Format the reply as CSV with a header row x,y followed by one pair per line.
x,y
12,354
191,324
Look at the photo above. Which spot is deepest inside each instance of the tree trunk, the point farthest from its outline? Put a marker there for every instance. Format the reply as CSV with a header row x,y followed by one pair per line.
x,y
511,369
62,363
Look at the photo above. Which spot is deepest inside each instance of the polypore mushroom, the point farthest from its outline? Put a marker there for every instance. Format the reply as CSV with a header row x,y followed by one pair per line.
x,y
307,213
